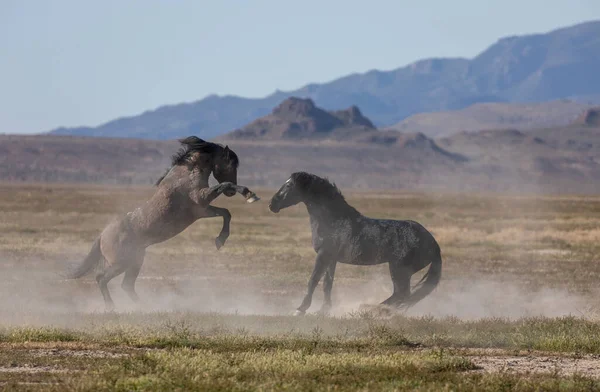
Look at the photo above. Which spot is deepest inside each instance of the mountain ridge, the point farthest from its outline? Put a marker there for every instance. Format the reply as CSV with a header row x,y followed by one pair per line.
x,y
493,115
300,118
560,64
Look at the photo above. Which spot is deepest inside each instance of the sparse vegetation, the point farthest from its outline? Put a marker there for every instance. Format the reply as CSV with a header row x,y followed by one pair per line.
x,y
520,277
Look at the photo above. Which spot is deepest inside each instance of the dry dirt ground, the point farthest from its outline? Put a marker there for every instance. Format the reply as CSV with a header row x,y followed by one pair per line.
x,y
517,307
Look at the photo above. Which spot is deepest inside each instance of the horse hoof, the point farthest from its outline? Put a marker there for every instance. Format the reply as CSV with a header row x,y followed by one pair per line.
x,y
219,243
252,198
299,313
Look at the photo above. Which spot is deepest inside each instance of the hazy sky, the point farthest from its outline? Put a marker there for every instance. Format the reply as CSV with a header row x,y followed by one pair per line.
x,y
74,62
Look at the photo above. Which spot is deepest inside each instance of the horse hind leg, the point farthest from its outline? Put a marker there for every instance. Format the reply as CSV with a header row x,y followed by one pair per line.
x,y
401,280
106,276
131,275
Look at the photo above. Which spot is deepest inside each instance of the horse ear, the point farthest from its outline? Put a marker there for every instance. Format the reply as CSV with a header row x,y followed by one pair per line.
x,y
226,151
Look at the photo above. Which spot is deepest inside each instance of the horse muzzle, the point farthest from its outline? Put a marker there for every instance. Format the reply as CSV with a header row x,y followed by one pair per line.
x,y
273,208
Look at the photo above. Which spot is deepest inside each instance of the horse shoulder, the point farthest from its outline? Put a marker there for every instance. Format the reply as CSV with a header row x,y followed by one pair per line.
x,y
324,235
318,238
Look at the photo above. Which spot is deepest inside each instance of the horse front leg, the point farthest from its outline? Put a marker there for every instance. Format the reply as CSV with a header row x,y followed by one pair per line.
x,y
211,212
327,287
321,263
224,234
207,195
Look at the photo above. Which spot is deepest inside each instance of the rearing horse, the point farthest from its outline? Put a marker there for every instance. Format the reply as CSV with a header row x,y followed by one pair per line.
x,y
183,196
341,234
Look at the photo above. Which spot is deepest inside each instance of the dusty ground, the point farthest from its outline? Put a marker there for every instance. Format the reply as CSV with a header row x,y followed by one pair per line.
x,y
520,277
588,365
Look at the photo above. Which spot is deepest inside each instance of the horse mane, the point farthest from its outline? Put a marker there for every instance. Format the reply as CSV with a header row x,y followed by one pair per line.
x,y
191,145
323,191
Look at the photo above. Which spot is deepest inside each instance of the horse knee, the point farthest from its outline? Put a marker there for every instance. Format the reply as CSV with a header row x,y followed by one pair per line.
x,y
127,286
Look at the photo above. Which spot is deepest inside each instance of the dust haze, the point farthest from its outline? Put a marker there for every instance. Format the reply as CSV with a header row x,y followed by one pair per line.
x,y
489,270
33,296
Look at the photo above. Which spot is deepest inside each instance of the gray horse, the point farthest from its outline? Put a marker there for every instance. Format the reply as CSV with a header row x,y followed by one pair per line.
x,y
342,234
183,196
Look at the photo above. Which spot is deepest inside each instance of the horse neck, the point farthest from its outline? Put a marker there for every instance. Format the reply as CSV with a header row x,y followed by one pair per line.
x,y
197,175
201,173
327,211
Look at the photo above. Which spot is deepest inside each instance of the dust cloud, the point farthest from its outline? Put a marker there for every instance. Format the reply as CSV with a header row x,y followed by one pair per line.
x,y
32,289
472,300
30,294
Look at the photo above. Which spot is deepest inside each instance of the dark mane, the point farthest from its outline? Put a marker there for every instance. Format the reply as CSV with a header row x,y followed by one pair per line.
x,y
191,145
323,191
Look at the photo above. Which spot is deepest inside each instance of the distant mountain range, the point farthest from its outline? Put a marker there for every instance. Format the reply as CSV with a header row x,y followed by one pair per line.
x,y
487,116
562,64
344,145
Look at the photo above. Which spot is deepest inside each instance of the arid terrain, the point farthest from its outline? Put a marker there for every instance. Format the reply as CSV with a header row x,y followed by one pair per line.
x,y
492,116
497,154
344,145
517,307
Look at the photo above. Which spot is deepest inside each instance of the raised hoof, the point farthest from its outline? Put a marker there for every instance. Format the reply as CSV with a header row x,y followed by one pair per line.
x,y
252,198
219,242
299,313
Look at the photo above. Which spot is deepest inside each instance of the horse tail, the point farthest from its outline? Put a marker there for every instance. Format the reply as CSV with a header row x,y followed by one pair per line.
x,y
88,263
429,281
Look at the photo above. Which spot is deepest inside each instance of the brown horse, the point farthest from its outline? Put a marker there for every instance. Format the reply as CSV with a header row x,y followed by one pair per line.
x,y
183,196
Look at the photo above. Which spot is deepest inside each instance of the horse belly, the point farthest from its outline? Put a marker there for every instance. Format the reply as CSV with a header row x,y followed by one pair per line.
x,y
161,224
362,261
168,229
361,254
373,245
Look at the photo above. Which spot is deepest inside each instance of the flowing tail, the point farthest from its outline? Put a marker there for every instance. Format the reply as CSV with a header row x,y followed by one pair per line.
x,y
428,283
88,263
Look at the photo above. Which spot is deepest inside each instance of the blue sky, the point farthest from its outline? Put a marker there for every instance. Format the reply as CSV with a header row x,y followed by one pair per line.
x,y
73,62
